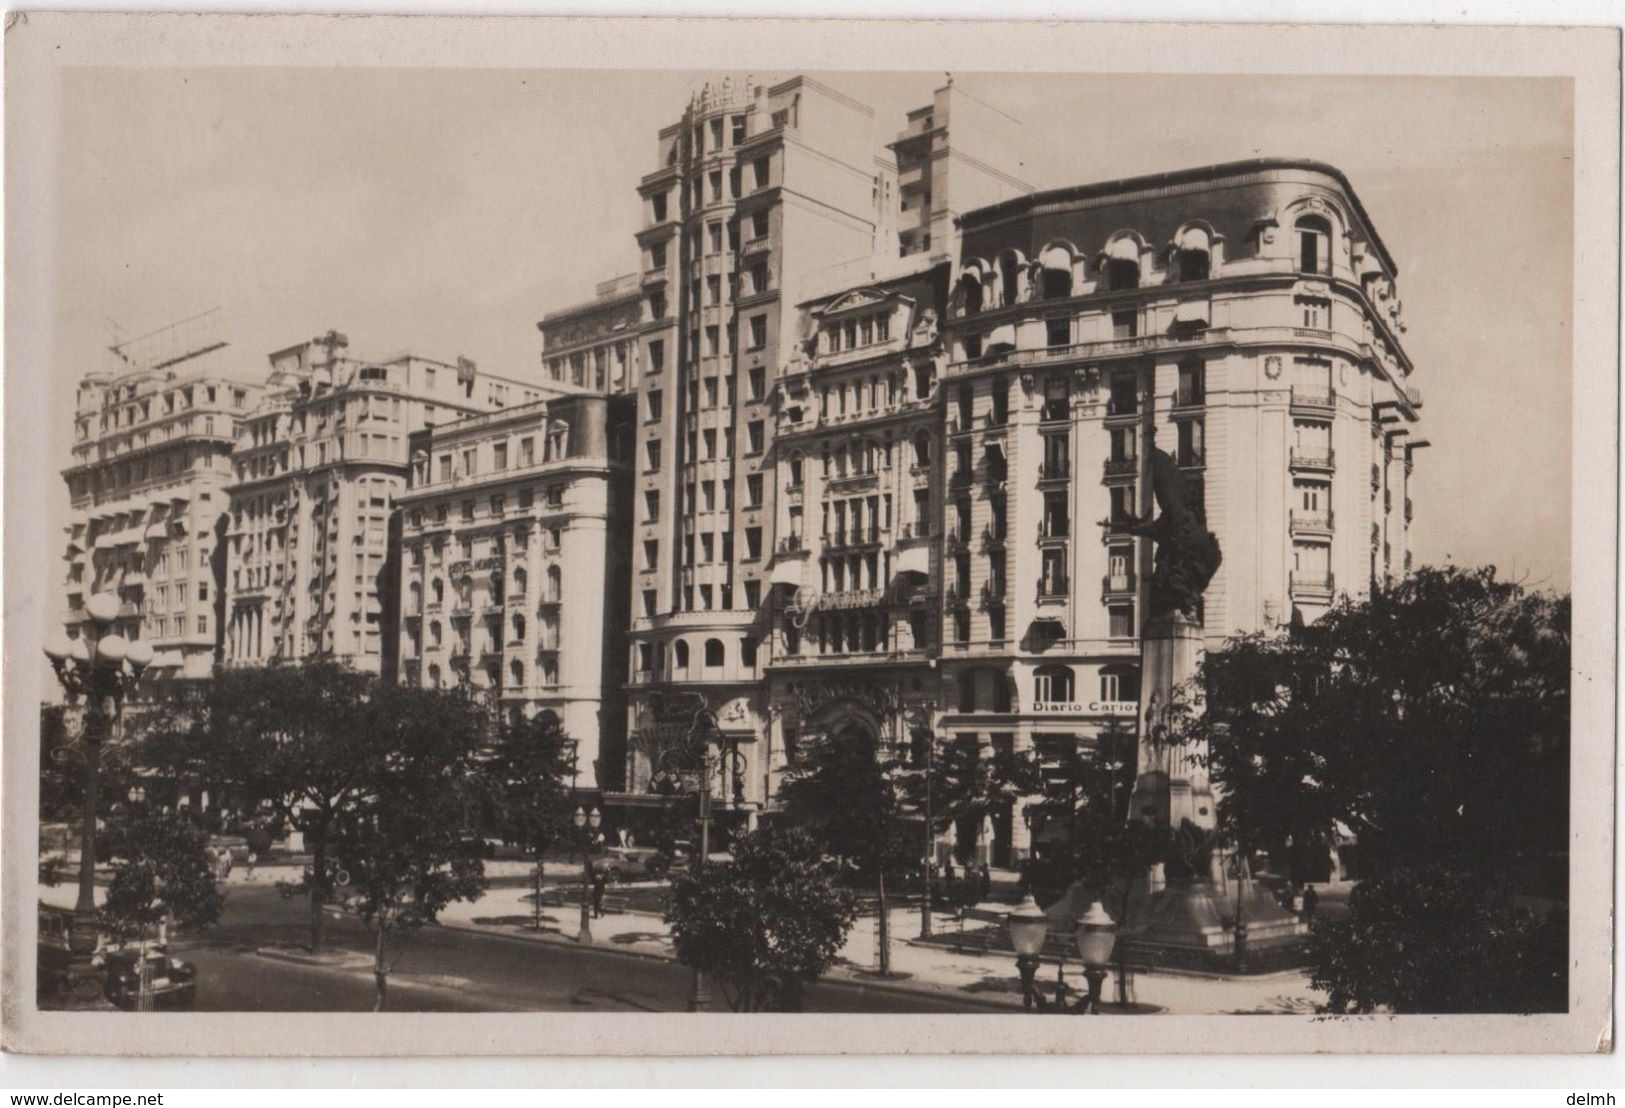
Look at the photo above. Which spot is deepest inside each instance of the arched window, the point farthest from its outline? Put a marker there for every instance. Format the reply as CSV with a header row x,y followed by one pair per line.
x,y
434,677
516,673
519,627
715,655
434,633
1056,263
520,579
1120,683
1314,244
438,586
971,284
1193,258
1053,685
414,598
1123,264
1009,282
922,448
679,654
555,583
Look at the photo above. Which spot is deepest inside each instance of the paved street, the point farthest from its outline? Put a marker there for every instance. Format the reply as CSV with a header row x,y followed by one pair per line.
x,y
455,971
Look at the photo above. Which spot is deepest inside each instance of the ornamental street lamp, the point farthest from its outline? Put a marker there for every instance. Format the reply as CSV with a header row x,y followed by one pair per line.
x,y
1095,938
586,827
103,667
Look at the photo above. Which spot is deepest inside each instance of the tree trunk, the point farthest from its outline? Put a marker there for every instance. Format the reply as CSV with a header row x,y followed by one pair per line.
x,y
318,887
882,931
380,972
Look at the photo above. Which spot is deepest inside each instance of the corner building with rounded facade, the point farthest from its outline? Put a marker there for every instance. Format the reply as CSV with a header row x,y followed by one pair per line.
x,y
1244,318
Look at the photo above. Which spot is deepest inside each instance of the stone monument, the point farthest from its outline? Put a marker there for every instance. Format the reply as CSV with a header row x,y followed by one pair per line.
x,y
1215,916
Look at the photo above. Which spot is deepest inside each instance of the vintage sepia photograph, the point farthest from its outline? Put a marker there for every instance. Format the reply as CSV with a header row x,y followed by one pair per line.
x,y
647,539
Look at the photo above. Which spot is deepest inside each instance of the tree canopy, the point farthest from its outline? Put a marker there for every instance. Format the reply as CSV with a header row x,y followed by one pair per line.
x,y
1431,719
161,870
764,925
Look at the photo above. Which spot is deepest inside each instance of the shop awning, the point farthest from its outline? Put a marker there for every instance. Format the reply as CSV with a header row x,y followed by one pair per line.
x,y
1003,335
157,530
914,559
1124,250
786,571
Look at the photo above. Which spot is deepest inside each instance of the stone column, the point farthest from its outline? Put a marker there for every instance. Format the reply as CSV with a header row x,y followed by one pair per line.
x,y
1168,789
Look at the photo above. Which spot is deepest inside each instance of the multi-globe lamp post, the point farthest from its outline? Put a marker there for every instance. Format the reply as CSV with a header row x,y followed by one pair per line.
x,y
101,666
586,826
1095,937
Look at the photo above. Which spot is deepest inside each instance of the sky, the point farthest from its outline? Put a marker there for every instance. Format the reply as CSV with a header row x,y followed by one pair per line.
x,y
446,211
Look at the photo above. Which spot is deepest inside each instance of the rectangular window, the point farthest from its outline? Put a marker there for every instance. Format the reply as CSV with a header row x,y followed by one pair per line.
x,y
1058,332
758,331
753,543
657,356
655,404
652,452
1125,325
651,505
759,170
1122,621
753,490
713,233
755,432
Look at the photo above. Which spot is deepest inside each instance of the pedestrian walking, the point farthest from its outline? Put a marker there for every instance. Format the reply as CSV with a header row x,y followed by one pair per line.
x,y
599,880
1310,899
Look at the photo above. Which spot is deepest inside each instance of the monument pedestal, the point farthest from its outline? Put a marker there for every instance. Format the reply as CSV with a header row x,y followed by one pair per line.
x,y
1200,923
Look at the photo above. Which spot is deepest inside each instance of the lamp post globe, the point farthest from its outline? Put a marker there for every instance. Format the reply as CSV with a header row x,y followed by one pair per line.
x,y
1096,938
102,608
79,652
1029,926
58,647
139,655
111,649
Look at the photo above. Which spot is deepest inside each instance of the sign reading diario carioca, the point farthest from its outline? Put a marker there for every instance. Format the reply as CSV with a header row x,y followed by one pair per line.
x,y
1088,708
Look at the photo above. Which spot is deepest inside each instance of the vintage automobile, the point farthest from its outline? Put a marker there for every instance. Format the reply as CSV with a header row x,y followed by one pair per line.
x,y
619,863
173,982
55,926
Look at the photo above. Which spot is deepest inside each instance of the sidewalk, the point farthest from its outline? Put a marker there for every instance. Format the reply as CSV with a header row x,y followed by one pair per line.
x,y
977,978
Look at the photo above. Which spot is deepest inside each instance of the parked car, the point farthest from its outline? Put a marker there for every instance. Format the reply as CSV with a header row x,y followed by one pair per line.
x,y
173,983
621,862
55,926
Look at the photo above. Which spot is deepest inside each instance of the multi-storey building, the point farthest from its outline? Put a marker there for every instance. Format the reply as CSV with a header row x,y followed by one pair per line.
x,y
756,188
957,153
595,345
147,487
318,465
1243,318
514,530
856,564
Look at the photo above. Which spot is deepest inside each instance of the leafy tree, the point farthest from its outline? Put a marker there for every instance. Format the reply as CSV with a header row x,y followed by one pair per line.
x,y
403,848
967,785
162,871
295,736
1429,941
1432,719
851,794
764,925
527,773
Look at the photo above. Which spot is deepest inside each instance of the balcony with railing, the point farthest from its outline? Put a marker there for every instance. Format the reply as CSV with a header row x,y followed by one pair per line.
x,y
1310,398
1121,467
1054,528
959,592
1052,588
1117,584
790,545
1059,469
1314,457
992,594
1119,525
1303,520
1186,397
1313,584
992,536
